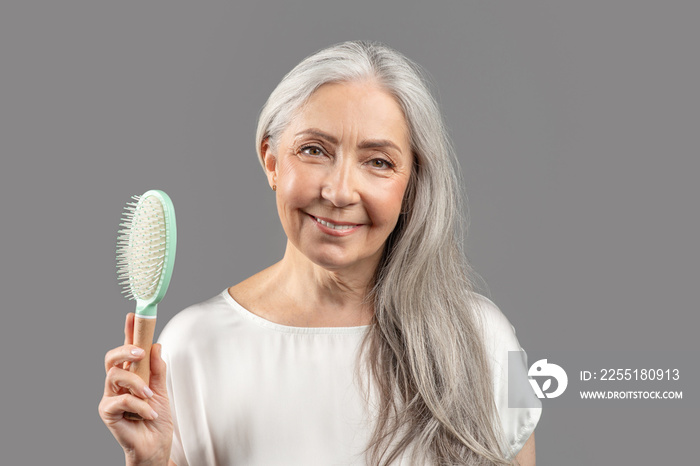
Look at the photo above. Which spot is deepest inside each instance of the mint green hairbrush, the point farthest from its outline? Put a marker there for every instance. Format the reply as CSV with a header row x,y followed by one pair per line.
x,y
145,257
146,250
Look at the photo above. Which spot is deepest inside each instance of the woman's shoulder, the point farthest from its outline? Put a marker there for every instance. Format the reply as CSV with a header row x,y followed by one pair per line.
x,y
497,330
195,321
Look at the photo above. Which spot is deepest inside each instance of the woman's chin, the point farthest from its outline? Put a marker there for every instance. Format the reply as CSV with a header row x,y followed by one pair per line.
x,y
333,261
333,264
336,261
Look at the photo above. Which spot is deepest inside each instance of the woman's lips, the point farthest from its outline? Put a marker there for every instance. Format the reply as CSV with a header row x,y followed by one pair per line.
x,y
335,222
335,228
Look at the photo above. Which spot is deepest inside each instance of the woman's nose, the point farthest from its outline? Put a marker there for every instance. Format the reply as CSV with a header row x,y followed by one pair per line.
x,y
340,185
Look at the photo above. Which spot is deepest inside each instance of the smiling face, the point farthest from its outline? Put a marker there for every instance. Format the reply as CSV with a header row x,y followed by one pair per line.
x,y
341,169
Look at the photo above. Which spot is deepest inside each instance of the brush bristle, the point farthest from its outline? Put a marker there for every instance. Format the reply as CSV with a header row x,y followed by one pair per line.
x,y
141,247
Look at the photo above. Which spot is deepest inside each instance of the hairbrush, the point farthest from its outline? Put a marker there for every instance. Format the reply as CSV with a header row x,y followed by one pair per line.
x,y
145,257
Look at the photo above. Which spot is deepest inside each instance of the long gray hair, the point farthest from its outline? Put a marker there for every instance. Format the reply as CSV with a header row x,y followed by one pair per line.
x,y
427,354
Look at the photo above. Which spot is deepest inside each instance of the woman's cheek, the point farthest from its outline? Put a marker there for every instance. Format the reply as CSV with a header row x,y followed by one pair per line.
x,y
294,180
392,196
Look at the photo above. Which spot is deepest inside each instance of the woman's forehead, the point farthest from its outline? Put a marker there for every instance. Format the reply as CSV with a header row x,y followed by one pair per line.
x,y
362,108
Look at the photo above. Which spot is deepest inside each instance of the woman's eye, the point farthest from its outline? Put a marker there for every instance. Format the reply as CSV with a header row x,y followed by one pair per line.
x,y
380,163
312,150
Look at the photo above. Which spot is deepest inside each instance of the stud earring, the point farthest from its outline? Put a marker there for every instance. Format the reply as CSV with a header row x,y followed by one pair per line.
x,y
274,187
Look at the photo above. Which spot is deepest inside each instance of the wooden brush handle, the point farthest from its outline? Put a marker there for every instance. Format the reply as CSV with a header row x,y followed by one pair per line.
x,y
143,338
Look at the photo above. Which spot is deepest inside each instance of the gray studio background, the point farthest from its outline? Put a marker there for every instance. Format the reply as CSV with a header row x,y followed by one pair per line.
x,y
576,125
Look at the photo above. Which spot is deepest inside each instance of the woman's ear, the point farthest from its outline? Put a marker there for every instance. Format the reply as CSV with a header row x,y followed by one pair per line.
x,y
269,161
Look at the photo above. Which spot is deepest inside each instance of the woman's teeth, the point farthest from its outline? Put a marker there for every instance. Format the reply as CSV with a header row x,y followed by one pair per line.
x,y
334,226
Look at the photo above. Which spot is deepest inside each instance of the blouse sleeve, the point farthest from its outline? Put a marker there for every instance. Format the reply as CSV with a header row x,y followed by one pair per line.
x,y
518,422
177,453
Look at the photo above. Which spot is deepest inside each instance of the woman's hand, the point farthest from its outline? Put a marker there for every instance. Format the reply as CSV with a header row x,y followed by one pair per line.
x,y
147,441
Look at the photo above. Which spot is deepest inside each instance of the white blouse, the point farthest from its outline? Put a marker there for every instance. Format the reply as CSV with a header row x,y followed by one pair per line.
x,y
247,391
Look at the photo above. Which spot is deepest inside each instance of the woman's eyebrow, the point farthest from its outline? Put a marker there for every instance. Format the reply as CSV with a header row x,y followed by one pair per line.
x,y
366,144
317,133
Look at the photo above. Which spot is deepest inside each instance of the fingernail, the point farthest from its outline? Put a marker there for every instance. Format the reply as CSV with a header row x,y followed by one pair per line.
x,y
148,392
137,351
154,415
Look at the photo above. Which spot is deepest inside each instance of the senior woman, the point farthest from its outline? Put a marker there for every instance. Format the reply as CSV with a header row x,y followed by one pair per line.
x,y
365,343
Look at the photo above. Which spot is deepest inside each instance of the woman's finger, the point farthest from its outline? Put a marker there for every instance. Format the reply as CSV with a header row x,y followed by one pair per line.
x,y
118,380
158,371
129,329
118,356
112,408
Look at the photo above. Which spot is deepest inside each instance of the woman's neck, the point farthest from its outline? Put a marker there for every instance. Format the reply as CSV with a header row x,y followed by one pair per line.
x,y
322,295
299,293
